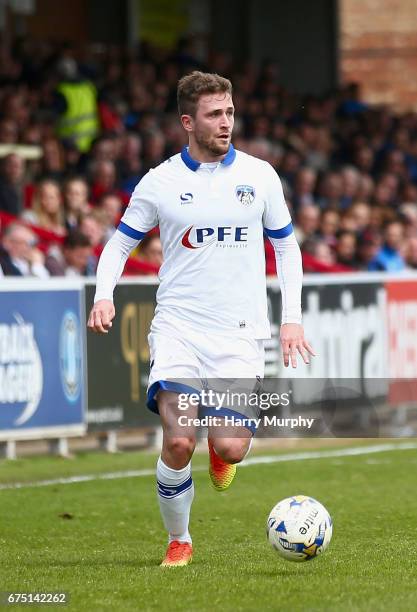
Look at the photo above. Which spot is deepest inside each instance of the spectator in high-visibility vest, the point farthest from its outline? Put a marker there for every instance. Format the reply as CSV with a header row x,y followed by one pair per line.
x,y
76,99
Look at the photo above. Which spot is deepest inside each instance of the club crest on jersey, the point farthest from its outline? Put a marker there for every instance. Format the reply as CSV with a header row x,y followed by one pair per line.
x,y
245,194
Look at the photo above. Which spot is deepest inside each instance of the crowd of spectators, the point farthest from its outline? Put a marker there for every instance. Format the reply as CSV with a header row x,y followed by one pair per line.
x,y
349,170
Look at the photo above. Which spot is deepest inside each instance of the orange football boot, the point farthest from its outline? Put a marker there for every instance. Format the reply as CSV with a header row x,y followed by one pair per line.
x,y
178,554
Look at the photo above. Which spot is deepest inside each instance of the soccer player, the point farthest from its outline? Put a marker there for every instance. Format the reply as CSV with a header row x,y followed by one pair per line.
x,y
213,205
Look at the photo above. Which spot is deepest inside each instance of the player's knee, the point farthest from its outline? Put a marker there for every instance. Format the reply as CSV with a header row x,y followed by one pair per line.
x,y
232,450
180,448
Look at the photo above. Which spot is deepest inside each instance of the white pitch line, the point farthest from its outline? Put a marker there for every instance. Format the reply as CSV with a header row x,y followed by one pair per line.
x,y
340,452
302,456
82,478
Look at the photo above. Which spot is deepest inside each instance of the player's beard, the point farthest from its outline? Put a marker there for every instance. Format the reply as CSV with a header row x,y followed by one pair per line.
x,y
211,145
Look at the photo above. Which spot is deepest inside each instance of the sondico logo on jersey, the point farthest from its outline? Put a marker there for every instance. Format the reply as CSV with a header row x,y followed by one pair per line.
x,y
225,236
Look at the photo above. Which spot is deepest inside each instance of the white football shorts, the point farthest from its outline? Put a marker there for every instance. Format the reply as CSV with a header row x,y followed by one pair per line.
x,y
183,364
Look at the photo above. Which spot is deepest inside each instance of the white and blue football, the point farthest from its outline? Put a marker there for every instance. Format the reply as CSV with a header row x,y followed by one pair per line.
x,y
299,528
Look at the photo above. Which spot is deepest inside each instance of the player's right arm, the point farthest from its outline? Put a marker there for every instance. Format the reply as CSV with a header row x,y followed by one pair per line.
x,y
139,218
109,270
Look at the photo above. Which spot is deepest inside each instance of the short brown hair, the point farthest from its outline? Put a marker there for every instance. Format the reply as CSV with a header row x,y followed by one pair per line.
x,y
196,84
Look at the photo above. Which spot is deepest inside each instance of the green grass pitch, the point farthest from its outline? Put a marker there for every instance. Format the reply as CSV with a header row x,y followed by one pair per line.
x,y
106,556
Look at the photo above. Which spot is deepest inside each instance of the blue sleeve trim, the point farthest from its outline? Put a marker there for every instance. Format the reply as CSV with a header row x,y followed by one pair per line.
x,y
129,231
279,233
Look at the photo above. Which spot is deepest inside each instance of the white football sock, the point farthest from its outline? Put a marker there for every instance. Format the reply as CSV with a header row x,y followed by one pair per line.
x,y
175,495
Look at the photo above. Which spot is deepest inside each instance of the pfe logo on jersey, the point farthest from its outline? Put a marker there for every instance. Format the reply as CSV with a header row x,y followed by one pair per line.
x,y
196,238
186,198
245,194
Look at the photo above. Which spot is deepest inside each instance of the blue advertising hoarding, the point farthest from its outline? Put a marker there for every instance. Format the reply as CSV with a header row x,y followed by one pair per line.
x,y
42,359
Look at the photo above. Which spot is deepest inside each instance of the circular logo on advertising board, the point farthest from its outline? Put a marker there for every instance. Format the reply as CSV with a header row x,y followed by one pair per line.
x,y
70,356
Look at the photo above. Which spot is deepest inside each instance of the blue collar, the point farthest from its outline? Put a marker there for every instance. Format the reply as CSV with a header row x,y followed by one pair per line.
x,y
194,165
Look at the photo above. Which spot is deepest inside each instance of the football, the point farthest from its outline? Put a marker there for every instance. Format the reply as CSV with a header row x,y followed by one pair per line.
x,y
299,528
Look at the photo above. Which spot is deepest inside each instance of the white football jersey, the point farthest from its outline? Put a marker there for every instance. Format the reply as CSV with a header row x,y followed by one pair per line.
x,y
212,224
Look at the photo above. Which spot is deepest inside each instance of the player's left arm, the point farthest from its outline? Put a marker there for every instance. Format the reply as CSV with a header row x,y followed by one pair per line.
x,y
279,229
290,273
